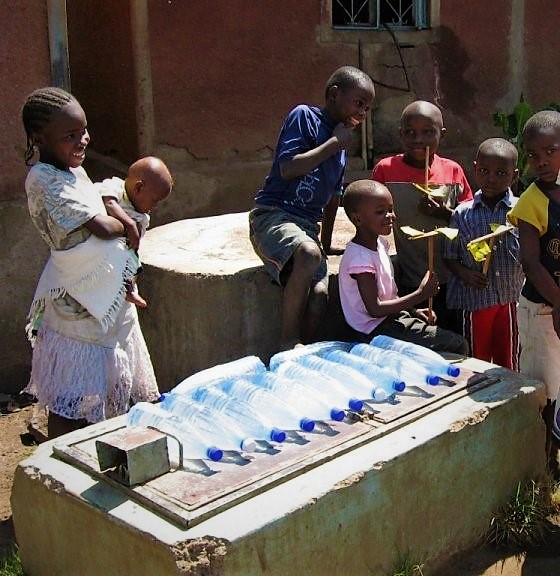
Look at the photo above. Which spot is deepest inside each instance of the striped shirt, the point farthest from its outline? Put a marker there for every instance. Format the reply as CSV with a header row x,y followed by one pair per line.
x,y
505,275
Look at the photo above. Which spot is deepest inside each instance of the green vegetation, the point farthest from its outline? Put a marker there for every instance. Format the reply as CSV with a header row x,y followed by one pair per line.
x,y
11,564
406,565
522,522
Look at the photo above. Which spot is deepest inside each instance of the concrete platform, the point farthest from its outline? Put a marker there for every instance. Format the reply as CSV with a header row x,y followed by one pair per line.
x,y
210,300
429,487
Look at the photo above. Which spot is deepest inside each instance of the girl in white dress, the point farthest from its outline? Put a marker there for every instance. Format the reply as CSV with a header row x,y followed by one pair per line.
x,y
90,360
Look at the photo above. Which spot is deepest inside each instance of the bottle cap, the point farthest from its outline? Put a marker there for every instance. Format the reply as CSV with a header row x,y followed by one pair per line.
x,y
355,404
214,454
248,445
337,414
277,435
453,370
163,396
398,385
307,425
432,380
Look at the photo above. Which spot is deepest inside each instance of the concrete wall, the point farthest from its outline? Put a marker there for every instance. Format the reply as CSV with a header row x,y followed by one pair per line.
x,y
24,61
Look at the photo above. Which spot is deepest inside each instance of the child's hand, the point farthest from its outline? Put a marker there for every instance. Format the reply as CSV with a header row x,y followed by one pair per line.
x,y
424,314
343,134
433,207
474,278
429,285
132,235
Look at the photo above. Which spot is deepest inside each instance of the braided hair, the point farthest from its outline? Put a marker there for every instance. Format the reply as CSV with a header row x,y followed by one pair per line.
x,y
37,111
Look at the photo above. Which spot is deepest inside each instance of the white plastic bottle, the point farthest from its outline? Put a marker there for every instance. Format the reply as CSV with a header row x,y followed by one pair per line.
x,y
241,367
401,366
322,383
431,360
354,382
317,348
385,383
300,398
276,409
194,446
210,424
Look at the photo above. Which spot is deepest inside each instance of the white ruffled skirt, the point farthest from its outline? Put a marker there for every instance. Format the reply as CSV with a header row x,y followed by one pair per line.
x,y
81,371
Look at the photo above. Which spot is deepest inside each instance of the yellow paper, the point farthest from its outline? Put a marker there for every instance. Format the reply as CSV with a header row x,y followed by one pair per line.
x,y
436,192
479,250
451,233
409,231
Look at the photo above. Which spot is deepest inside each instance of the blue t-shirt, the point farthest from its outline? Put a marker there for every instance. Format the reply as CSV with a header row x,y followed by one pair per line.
x,y
305,128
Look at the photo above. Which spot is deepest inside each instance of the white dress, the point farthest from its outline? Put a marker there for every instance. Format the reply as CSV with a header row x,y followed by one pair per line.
x,y
82,367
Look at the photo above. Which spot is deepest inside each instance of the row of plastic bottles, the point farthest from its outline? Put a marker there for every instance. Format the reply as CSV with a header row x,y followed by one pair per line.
x,y
234,405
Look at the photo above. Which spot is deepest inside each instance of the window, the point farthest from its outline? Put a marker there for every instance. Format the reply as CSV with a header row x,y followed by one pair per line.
x,y
378,14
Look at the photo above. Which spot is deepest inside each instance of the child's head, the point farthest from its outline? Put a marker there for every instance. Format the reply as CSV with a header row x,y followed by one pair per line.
x,y
55,124
421,127
369,206
349,93
147,183
541,140
495,167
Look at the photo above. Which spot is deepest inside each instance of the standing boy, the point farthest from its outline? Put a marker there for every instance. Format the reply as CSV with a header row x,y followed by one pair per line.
x,y
368,292
488,301
421,130
537,215
306,173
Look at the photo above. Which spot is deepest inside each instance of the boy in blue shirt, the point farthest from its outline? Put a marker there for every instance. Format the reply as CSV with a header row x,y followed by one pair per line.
x,y
487,301
306,174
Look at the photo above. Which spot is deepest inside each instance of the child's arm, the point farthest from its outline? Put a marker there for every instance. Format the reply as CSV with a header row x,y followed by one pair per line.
x,y
130,226
537,274
471,278
367,286
327,225
303,163
105,227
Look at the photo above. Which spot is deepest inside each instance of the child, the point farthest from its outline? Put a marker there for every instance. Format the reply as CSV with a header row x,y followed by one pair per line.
x,y
488,301
147,183
537,215
421,130
90,360
306,173
368,292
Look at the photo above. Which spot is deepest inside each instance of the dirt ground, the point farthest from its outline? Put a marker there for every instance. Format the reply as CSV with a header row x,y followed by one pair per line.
x,y
16,444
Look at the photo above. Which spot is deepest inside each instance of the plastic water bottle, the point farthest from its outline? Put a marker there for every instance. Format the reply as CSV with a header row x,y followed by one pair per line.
x,y
350,378
244,415
194,446
315,348
210,424
321,382
431,360
402,366
385,383
237,368
296,393
263,401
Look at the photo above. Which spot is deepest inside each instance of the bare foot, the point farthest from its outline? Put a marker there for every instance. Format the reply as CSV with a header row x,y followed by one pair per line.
x,y
136,299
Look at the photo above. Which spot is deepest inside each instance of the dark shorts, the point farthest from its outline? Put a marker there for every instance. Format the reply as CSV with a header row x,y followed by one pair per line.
x,y
275,236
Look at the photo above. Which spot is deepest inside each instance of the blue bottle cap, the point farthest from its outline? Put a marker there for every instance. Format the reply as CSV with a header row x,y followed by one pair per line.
x,y
355,404
453,370
337,414
163,396
432,380
214,454
307,425
277,435
398,385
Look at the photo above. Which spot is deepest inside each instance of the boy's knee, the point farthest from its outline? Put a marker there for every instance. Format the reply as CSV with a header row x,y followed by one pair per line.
x,y
307,256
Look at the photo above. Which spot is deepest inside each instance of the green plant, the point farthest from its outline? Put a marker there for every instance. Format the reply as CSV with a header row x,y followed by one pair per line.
x,y
522,522
405,565
10,565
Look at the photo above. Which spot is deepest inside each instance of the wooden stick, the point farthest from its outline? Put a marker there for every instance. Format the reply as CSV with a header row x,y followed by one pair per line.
x,y
486,264
431,269
491,235
427,168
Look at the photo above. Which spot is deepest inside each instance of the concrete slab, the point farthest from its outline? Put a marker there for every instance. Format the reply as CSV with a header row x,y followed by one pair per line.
x,y
429,488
